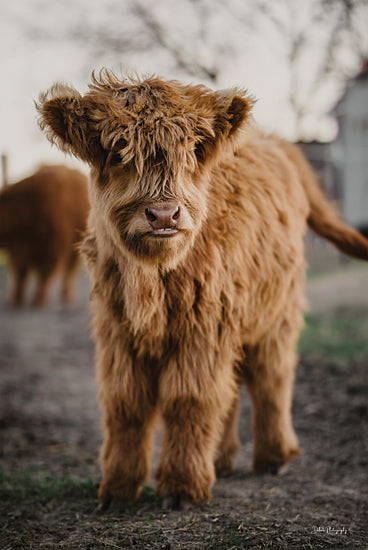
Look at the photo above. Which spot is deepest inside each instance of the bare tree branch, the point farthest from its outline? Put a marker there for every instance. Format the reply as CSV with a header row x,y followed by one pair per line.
x,y
189,65
337,20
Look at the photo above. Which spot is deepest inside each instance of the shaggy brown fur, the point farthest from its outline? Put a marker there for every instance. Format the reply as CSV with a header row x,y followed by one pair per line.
x,y
41,220
195,250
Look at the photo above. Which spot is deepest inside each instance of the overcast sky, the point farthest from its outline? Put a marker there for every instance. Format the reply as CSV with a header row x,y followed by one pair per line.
x,y
42,41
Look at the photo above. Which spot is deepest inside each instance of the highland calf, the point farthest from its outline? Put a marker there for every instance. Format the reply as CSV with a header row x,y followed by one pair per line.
x,y
42,218
195,250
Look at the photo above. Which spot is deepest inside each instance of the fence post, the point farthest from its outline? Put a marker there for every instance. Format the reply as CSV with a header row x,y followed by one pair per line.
x,y
4,170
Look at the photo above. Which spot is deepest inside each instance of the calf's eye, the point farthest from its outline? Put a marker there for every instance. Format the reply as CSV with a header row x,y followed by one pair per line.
x,y
115,159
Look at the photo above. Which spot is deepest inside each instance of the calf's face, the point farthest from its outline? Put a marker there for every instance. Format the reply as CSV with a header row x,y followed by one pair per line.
x,y
151,145
152,215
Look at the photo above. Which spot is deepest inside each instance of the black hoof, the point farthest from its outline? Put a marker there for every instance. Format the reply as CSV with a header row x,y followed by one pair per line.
x,y
103,506
176,502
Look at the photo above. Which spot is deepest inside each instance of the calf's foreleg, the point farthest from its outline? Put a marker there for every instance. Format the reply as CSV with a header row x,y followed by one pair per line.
x,y
194,402
129,402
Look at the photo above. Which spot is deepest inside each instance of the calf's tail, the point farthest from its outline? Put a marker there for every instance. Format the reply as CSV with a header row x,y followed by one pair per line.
x,y
323,219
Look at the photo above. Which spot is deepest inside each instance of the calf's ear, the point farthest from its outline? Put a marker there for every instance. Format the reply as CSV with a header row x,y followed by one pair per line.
x,y
65,117
237,112
230,110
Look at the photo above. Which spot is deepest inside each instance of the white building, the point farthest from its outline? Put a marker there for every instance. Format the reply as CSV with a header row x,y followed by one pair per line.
x,y
349,153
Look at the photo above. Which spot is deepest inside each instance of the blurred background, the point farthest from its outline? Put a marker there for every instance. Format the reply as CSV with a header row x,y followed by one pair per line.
x,y
302,59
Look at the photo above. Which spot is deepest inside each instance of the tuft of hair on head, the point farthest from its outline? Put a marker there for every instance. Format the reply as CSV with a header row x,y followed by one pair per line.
x,y
132,117
107,79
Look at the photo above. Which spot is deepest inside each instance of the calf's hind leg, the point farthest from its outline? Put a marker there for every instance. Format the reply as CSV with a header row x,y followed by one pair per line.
x,y
229,444
269,377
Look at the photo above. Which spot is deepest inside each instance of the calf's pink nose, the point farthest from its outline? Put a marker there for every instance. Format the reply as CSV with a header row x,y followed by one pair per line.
x,y
163,217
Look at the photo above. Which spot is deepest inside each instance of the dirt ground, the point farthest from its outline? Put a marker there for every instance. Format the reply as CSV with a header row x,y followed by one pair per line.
x,y
50,434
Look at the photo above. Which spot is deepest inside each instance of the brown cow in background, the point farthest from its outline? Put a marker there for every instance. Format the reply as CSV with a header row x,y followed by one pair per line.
x,y
42,218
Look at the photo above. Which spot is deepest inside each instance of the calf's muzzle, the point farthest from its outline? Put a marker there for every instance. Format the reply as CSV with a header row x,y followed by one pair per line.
x,y
163,218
